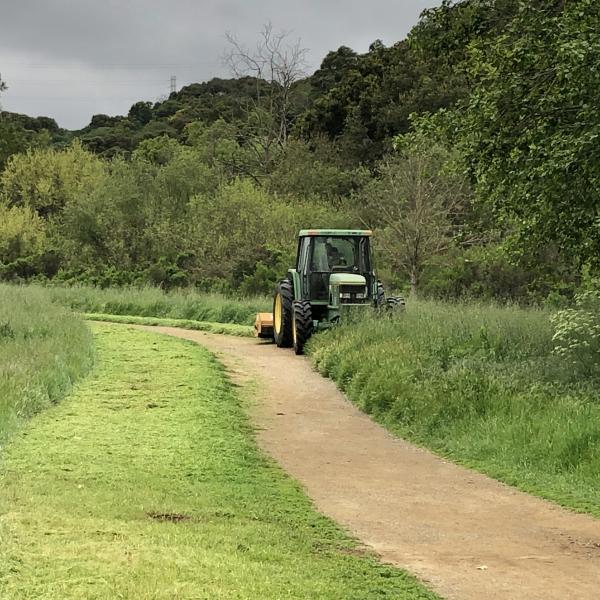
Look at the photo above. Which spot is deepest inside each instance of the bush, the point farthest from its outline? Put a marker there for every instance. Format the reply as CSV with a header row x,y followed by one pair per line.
x,y
577,333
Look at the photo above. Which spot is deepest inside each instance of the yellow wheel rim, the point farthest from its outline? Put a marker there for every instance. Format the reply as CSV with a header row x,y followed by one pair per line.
x,y
277,314
294,332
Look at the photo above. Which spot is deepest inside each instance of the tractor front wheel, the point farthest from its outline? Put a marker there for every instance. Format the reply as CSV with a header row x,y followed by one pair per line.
x,y
302,324
282,313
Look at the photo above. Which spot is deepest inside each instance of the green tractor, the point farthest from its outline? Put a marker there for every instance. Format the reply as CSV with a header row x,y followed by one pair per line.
x,y
334,273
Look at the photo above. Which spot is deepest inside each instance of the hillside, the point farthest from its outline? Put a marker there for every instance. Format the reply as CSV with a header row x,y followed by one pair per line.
x,y
477,134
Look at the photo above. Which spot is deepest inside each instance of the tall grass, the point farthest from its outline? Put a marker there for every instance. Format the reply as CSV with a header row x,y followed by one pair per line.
x,y
478,384
154,302
43,350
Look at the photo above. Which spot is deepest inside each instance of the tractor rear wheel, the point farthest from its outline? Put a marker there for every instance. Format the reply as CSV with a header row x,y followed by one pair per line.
x,y
395,303
302,324
282,313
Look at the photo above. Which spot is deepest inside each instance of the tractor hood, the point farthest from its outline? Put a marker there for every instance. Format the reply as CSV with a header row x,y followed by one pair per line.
x,y
346,279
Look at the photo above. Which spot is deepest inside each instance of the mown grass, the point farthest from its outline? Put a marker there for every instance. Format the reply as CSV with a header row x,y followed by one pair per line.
x,y
480,385
146,483
43,350
153,302
225,328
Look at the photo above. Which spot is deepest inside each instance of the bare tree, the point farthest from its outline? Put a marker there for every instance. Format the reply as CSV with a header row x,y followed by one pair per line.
x,y
276,64
417,205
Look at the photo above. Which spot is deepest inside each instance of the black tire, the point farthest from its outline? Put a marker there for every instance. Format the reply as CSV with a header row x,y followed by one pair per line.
x,y
302,324
395,303
380,296
282,331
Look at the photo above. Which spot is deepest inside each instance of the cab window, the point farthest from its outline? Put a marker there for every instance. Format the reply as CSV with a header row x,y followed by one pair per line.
x,y
332,254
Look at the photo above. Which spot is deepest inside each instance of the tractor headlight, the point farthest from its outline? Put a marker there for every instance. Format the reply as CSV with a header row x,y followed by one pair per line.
x,y
361,296
345,295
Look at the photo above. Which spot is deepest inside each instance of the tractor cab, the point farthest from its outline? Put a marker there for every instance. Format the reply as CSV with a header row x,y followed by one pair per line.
x,y
333,273
334,267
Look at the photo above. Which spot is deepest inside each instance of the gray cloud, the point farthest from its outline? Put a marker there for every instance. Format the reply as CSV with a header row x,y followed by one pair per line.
x,y
72,59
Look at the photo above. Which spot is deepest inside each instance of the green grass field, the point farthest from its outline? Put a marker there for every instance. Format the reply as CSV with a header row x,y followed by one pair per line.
x,y
480,385
43,350
153,302
145,482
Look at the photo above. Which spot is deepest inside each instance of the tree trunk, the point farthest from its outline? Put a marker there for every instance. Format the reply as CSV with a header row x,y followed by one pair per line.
x,y
414,282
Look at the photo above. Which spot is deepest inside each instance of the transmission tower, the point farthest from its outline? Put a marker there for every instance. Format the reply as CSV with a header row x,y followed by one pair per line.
x,y
173,83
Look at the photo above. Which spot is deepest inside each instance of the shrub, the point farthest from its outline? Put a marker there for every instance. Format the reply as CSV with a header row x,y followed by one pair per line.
x,y
577,332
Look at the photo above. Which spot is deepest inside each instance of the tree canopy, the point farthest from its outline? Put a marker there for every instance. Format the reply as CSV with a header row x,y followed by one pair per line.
x,y
531,127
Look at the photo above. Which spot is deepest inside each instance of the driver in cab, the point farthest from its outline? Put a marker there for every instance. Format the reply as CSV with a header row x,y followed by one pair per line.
x,y
334,258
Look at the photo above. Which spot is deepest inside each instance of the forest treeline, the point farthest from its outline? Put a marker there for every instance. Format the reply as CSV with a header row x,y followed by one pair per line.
x,y
471,148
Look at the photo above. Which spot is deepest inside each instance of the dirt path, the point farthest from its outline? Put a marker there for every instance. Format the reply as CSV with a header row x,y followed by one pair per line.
x,y
468,536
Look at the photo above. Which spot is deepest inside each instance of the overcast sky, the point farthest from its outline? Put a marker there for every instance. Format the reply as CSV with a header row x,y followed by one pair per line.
x,y
71,59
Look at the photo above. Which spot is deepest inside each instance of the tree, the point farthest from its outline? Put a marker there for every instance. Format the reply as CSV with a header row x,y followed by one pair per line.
x,y
416,204
46,180
355,142
531,129
302,173
218,147
280,64
12,140
334,68
22,234
364,100
102,120
157,151
23,243
140,113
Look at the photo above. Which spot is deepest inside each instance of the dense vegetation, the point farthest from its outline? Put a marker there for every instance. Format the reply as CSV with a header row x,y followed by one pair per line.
x,y
20,132
147,483
500,389
478,133
43,350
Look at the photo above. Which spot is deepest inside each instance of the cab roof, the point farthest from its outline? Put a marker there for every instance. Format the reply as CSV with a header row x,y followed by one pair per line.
x,y
335,232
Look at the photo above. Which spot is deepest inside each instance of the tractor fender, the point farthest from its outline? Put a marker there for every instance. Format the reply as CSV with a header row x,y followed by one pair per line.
x,y
294,277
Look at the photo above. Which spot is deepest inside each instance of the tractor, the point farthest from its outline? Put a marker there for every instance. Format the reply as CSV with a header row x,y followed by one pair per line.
x,y
334,274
